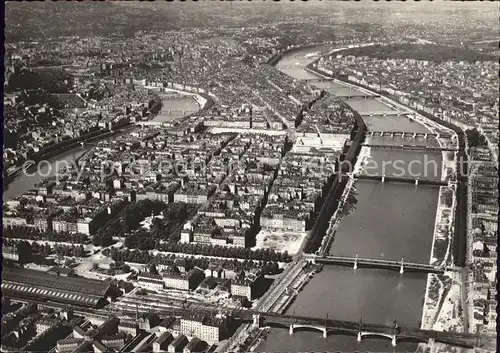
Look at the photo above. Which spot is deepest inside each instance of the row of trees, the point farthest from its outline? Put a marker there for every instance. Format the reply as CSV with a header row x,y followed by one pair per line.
x,y
30,233
122,256
27,249
143,241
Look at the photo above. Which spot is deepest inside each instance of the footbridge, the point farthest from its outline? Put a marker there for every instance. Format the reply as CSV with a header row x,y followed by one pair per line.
x,y
395,179
357,262
415,135
410,147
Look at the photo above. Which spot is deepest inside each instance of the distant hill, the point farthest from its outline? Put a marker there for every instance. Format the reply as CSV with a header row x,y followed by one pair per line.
x,y
428,52
34,20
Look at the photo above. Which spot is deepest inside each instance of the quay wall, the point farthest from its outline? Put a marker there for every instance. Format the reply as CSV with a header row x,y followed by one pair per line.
x,y
460,236
331,202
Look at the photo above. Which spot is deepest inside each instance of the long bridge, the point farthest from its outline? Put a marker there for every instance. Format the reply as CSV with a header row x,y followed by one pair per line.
x,y
364,96
357,262
422,135
291,322
374,113
416,181
410,147
328,327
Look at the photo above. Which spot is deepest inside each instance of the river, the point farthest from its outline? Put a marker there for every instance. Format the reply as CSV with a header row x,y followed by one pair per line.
x,y
172,108
175,106
388,221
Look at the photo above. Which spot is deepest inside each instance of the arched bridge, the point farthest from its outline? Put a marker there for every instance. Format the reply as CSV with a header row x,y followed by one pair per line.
x,y
410,148
422,135
359,329
356,262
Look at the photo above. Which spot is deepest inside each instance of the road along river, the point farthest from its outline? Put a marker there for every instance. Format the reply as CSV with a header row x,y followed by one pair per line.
x,y
388,221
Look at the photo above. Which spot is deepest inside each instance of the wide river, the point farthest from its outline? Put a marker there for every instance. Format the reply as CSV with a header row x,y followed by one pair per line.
x,y
388,221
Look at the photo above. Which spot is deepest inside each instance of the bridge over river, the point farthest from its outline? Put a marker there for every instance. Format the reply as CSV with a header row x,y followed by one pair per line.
x,y
410,148
356,262
415,135
396,179
326,325
359,329
293,323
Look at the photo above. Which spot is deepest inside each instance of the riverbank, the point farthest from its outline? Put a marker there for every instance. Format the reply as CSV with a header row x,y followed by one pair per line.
x,y
442,304
203,101
336,217
65,147
440,310
56,149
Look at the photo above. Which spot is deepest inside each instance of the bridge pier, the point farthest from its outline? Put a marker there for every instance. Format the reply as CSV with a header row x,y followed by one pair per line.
x,y
393,341
426,136
383,178
356,262
414,135
256,320
291,330
416,181
392,135
402,269
359,336
325,333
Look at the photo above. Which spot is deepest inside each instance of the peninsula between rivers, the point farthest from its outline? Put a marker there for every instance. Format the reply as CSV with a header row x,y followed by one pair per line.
x,y
439,289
